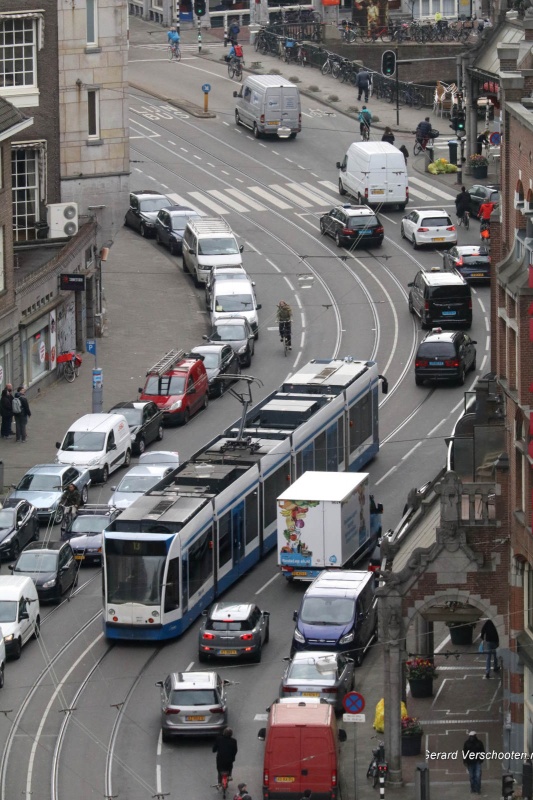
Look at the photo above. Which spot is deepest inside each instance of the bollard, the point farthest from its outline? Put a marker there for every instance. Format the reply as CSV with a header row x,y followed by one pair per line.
x,y
459,174
422,781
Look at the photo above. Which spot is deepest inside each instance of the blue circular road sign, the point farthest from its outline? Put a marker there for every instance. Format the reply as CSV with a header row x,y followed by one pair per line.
x,y
206,88
353,703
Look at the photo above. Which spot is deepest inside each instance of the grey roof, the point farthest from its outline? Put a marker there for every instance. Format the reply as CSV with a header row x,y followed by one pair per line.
x,y
10,116
508,33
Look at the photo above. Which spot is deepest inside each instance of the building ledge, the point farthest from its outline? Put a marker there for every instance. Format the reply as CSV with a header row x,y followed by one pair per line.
x,y
94,142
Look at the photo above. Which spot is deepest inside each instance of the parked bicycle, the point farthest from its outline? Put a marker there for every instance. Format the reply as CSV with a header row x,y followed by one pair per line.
x,y
68,365
174,52
332,59
378,766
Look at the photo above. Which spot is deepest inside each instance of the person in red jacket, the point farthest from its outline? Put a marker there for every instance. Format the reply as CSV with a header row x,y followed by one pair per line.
x,y
485,210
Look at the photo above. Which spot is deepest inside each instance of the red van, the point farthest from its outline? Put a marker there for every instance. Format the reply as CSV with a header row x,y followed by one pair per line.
x,y
301,751
178,385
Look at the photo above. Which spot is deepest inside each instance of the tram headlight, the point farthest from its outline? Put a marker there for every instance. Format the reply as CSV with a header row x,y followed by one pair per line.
x,y
155,614
111,612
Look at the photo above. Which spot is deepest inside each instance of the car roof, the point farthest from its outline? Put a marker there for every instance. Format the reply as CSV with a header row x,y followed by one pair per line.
x,y
180,210
440,336
431,212
465,249
355,211
146,469
138,404
235,286
193,680
160,457
227,610
49,469
148,193
209,347
229,321
53,547
443,278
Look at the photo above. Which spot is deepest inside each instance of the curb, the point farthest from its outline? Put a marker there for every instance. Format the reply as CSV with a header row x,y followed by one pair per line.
x,y
183,105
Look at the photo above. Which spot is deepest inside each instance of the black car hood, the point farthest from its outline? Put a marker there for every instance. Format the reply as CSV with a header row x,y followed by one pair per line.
x,y
37,577
5,532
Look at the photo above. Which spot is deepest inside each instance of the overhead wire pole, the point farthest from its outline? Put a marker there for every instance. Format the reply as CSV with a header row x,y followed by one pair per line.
x,y
178,15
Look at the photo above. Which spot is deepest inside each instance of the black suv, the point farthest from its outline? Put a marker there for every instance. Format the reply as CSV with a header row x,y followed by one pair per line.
x,y
352,225
145,421
442,298
143,210
445,356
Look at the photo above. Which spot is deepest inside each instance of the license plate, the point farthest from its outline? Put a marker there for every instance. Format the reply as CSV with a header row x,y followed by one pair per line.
x,y
378,191
273,122
284,780
228,652
449,313
436,363
79,557
195,718
310,694
439,239
477,274
299,574
363,233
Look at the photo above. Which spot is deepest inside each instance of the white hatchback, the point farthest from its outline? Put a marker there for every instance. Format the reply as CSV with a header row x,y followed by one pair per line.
x,y
428,226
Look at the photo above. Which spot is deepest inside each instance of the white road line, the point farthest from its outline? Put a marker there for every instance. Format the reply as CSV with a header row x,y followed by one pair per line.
x,y
289,160
275,153
430,188
273,265
184,150
314,174
296,360
329,185
419,194
241,196
158,778
291,287
198,157
240,180
303,319
261,144
262,589
316,198
181,200
302,340
411,451
482,306
163,186
299,302
290,195
172,143
191,665
226,123
223,171
211,165
329,198
432,431
137,169
391,470
251,246
482,370
270,197
200,198
225,199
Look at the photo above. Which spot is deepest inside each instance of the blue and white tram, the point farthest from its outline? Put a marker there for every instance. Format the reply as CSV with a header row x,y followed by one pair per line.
x,y
196,532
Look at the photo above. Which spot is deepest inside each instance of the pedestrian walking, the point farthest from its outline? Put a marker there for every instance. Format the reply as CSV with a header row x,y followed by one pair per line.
x,y
388,136
473,755
21,412
234,31
490,641
6,411
403,149
362,82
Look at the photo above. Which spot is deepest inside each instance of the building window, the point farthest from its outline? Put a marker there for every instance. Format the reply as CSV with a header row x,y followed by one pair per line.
x,y
92,22
17,53
25,182
93,113
2,261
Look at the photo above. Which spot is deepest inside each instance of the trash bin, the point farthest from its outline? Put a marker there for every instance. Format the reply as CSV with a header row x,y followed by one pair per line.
x,y
453,144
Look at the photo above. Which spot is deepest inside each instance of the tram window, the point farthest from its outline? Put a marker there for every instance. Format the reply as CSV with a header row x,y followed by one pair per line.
x,y
224,539
275,484
331,436
299,465
172,588
309,457
360,422
320,452
200,562
252,518
340,440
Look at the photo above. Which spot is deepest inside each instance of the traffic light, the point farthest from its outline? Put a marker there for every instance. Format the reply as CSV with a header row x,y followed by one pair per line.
x,y
458,122
199,8
388,63
507,785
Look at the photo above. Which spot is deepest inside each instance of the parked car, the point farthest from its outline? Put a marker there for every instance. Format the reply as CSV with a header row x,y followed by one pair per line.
x,y
145,421
43,486
144,208
192,703
178,385
428,226
233,630
237,332
445,356
137,481
323,676
480,194
470,261
219,360
85,531
352,225
224,273
170,226
50,565
19,525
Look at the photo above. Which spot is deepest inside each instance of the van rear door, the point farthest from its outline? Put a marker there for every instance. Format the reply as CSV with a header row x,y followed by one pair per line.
x,y
396,178
283,764
273,108
318,760
290,108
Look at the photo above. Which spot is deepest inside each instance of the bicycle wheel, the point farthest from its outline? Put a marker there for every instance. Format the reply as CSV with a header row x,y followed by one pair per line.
x,y
417,149
326,67
68,371
231,70
258,42
388,94
178,54
285,346
466,220
238,72
417,100
336,69
170,53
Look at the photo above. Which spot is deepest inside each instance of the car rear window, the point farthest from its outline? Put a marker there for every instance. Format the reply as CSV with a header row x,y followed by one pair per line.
x,y
234,625
450,292
476,258
154,204
435,222
193,697
362,221
310,672
234,302
443,349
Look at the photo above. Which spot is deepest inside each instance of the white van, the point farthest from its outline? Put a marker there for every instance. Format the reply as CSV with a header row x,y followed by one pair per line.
x,y
209,243
374,173
229,298
21,615
99,442
269,105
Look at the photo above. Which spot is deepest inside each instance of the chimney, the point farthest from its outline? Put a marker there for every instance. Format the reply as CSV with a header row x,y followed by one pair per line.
x,y
527,23
508,55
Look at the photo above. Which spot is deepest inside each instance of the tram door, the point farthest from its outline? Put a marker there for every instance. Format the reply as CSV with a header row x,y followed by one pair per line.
x,y
237,528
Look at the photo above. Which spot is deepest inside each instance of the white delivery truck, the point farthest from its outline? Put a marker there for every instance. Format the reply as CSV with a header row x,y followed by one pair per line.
x,y
326,520
374,173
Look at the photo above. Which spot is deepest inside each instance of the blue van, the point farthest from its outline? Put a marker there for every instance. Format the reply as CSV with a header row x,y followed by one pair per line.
x,y
338,612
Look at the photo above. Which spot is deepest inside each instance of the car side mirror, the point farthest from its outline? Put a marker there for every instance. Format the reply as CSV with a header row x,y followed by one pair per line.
x,y
192,390
241,248
13,485
338,165
235,94
113,447
261,735
205,337
159,683
294,616
410,284
140,390
342,735
266,613
259,306
11,567
58,445
226,682
287,658
113,488
253,283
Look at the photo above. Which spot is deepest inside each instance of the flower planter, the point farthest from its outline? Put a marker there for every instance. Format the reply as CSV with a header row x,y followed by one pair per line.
x,y
412,745
480,173
421,687
461,634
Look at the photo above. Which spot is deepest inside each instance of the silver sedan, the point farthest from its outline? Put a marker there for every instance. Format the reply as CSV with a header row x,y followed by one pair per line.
x,y
322,676
43,486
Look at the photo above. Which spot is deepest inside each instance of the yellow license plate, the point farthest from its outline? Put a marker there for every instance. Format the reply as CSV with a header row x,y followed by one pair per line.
x,y
228,652
310,694
439,239
477,275
378,191
79,557
284,780
274,122
299,574
195,718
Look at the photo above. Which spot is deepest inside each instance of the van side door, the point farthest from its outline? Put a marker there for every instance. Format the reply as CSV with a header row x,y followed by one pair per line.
x,y
25,626
245,107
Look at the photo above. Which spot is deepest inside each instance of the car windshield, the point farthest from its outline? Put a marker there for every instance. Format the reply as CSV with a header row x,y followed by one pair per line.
x,y
193,697
39,482
8,610
435,222
83,441
137,483
165,386
309,672
7,517
36,561
229,625
229,333
211,360
154,204
179,221
362,221
327,610
234,302
134,416
88,524
450,293
442,349
226,246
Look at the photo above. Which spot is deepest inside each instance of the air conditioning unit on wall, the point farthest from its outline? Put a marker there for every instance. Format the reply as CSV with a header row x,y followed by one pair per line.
x,y
62,219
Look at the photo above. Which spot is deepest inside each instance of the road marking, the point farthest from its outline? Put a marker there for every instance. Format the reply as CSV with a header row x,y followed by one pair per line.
x,y
391,470
181,200
297,359
198,157
419,194
291,287
268,583
276,201
209,203
191,665
225,199
316,198
430,188
289,195
241,196
251,246
332,200
273,265
329,185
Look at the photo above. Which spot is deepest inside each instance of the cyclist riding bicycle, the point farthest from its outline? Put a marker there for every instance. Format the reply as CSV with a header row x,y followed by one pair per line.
x,y
173,37
365,121
423,132
463,203
485,210
71,499
226,749
235,52
284,318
